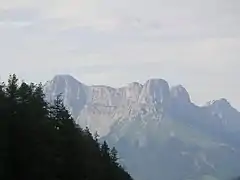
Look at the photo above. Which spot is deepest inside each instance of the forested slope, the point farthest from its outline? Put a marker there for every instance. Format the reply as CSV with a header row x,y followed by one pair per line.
x,y
40,141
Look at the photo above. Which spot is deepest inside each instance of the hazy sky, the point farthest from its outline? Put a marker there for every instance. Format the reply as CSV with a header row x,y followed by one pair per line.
x,y
191,42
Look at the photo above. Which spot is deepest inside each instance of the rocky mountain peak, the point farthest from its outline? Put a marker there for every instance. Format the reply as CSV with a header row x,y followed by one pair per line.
x,y
155,91
64,80
156,83
73,92
221,104
63,76
59,83
180,94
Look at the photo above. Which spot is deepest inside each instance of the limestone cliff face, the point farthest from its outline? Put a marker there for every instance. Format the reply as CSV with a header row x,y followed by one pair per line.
x,y
157,128
99,107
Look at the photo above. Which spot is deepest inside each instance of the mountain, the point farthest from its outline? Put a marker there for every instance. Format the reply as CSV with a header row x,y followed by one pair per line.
x,y
41,141
159,132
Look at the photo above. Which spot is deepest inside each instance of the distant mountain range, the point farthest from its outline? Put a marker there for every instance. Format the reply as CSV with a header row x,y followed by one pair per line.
x,y
159,133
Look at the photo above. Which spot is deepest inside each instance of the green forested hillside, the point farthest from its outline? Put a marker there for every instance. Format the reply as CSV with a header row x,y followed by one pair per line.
x,y
41,141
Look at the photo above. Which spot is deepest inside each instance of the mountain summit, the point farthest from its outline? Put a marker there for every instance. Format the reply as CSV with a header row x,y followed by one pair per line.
x,y
156,128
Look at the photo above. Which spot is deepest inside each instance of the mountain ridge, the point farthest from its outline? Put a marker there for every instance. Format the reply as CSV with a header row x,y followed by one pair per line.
x,y
153,124
135,83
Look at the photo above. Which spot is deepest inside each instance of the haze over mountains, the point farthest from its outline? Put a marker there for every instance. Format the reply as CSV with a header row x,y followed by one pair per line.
x,y
159,132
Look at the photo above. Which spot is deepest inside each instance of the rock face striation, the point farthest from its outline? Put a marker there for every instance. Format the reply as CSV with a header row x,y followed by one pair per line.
x,y
100,107
159,132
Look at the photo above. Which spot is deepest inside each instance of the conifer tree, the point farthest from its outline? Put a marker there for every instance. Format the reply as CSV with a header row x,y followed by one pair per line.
x,y
41,141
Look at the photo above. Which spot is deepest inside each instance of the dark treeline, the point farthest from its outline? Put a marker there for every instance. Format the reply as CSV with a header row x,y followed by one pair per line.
x,y
40,141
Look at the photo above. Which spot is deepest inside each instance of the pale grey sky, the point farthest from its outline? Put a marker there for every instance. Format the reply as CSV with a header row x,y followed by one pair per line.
x,y
191,42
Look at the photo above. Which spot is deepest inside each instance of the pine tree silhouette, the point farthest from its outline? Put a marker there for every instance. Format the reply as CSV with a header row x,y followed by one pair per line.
x,y
41,141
